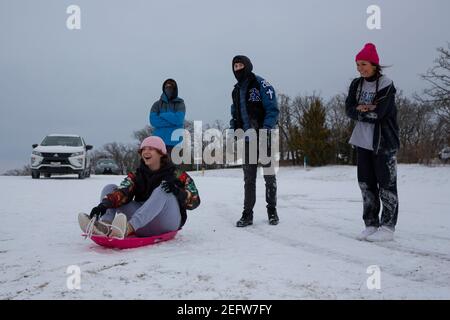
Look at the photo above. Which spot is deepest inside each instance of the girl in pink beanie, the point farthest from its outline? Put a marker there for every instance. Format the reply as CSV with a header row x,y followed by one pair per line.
x,y
371,104
150,201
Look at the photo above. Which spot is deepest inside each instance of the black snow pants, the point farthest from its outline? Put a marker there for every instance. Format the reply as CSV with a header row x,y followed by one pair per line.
x,y
250,174
377,177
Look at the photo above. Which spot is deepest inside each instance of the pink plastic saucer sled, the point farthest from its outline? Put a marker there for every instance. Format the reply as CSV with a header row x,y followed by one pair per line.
x,y
132,242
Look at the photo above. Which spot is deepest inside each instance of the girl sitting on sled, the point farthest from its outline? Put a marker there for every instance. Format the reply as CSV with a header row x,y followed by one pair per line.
x,y
150,201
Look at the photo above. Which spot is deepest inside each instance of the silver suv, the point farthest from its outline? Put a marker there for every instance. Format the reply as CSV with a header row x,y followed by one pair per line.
x,y
61,154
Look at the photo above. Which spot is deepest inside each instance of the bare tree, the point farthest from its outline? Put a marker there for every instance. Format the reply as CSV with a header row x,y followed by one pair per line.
x,y
143,133
438,94
286,128
125,155
422,131
341,129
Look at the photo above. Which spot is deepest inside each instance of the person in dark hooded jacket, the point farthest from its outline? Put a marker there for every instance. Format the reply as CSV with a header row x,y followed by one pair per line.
x,y
254,107
167,114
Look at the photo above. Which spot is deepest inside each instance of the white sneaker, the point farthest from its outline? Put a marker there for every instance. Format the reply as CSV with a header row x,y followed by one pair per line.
x,y
366,232
100,228
119,226
383,234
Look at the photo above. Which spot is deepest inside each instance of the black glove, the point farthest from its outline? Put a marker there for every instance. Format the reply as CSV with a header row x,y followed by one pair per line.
x,y
98,211
173,185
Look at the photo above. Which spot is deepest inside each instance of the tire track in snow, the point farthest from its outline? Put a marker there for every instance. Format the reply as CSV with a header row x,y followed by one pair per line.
x,y
335,254
396,246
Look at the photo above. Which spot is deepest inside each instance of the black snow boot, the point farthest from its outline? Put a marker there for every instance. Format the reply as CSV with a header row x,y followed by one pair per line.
x,y
246,220
273,216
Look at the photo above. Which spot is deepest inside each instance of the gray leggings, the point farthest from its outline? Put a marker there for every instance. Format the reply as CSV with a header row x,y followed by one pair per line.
x,y
158,215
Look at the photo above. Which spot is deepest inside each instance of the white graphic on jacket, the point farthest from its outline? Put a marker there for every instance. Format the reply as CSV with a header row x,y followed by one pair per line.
x,y
254,95
265,84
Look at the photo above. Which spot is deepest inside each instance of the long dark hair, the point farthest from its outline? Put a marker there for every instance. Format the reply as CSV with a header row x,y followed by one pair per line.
x,y
378,69
165,161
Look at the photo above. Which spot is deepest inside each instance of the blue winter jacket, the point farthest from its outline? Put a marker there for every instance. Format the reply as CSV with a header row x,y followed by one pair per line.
x,y
167,116
261,108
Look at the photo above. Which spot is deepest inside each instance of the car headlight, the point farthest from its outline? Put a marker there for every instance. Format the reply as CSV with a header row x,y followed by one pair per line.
x,y
35,161
37,153
76,154
77,162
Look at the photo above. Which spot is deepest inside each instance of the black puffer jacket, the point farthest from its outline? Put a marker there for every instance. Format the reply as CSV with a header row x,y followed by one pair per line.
x,y
386,132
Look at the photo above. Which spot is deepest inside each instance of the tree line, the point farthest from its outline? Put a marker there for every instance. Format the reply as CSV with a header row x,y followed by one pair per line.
x,y
317,132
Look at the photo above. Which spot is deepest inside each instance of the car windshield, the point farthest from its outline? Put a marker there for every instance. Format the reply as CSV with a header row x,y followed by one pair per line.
x,y
62,141
106,162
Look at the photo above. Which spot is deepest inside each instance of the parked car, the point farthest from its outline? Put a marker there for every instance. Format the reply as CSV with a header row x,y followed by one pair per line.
x,y
107,166
61,154
444,154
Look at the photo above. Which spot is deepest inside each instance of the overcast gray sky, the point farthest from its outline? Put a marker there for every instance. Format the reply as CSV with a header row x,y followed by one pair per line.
x,y
100,81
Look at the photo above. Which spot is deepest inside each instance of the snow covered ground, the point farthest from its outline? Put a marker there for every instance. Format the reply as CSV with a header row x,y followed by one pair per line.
x,y
311,254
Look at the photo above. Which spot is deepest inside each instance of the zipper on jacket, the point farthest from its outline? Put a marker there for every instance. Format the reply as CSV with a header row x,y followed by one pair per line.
x,y
379,126
379,139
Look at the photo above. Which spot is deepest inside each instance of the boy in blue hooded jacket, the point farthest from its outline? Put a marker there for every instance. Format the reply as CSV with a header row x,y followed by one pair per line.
x,y
167,114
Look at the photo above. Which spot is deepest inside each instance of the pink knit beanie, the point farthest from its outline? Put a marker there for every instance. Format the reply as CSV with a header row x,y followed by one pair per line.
x,y
368,53
154,142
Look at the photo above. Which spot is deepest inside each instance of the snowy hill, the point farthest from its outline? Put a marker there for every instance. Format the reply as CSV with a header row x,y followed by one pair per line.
x,y
311,254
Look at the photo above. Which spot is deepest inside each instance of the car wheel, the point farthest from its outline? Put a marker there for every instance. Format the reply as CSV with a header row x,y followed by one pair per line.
x,y
81,175
35,174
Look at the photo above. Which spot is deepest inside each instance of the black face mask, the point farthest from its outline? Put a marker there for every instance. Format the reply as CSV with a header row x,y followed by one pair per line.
x,y
170,93
240,75
243,74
